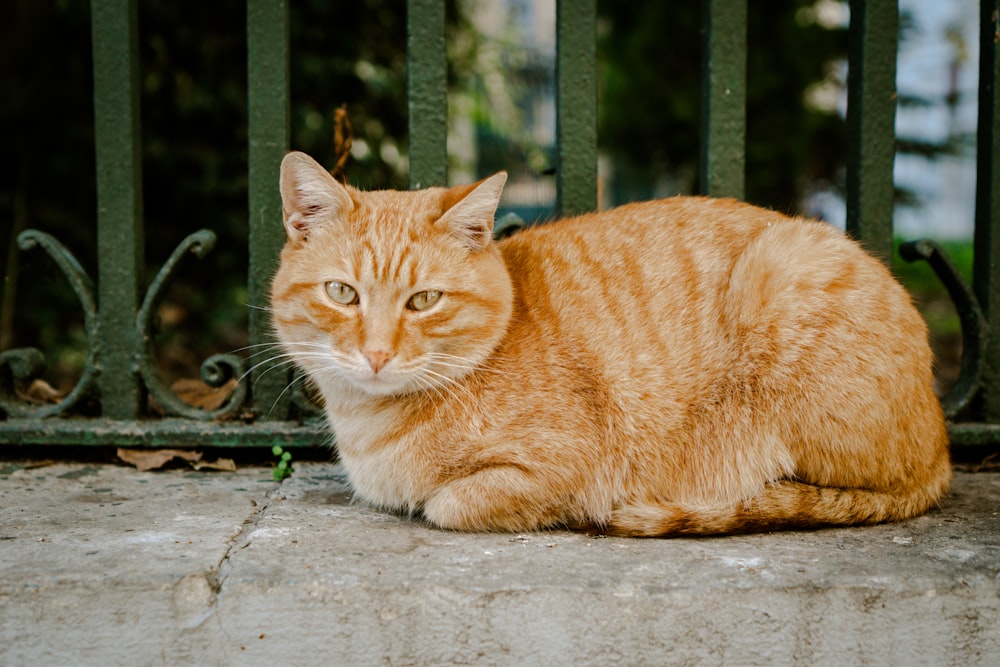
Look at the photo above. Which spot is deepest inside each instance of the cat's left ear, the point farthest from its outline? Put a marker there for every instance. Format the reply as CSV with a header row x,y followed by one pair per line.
x,y
309,195
471,209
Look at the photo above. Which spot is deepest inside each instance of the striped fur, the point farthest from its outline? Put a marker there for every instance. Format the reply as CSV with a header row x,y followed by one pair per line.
x,y
683,366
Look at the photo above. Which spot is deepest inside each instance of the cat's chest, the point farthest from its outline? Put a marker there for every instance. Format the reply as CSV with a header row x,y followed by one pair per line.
x,y
384,461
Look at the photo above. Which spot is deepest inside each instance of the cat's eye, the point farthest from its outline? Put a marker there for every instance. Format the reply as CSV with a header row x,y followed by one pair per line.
x,y
423,300
340,293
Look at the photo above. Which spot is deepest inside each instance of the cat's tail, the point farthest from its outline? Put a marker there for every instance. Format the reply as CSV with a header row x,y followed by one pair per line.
x,y
784,505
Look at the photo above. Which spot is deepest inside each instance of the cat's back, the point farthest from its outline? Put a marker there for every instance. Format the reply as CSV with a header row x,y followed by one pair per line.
x,y
686,282
692,248
636,263
633,237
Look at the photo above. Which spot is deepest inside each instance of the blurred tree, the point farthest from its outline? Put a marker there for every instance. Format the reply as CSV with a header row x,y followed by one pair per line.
x,y
194,142
46,162
650,104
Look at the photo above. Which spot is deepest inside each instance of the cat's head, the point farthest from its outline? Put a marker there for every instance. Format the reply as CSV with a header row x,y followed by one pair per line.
x,y
389,292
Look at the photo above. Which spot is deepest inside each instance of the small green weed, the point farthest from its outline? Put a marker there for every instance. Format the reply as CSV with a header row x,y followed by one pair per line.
x,y
283,469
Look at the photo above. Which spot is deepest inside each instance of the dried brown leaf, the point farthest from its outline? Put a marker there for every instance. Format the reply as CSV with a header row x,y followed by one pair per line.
x,y
154,459
225,465
41,392
200,395
343,139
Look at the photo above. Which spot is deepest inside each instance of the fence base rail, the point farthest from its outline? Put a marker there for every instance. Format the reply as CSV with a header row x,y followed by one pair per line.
x,y
179,433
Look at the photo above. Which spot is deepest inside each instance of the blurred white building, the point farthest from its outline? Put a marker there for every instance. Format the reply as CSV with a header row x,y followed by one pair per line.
x,y
937,65
939,62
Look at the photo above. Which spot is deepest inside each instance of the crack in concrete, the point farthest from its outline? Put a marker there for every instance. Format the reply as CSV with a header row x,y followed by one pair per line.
x,y
196,597
217,576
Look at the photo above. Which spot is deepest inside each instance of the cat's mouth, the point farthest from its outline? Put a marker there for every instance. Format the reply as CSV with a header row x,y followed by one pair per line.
x,y
399,378
330,369
386,381
435,372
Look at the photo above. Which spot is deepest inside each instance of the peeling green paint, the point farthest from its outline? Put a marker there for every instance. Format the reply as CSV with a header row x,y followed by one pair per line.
x,y
723,112
576,106
871,122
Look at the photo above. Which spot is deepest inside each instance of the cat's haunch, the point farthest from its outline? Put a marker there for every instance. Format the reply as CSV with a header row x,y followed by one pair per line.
x,y
687,366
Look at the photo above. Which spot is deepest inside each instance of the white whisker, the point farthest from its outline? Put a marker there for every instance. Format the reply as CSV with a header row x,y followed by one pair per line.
x,y
266,309
428,384
280,362
447,383
453,361
283,360
290,385
278,344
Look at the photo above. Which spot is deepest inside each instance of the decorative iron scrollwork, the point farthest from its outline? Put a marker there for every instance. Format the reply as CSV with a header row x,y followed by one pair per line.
x,y
970,315
508,225
216,371
22,366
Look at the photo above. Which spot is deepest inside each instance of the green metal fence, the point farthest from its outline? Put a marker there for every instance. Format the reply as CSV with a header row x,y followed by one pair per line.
x,y
119,314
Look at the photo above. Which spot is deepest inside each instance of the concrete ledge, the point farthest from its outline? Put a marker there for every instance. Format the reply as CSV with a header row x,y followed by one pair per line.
x,y
105,565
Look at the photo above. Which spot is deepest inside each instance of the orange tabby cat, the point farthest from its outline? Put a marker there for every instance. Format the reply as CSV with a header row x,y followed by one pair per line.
x,y
683,366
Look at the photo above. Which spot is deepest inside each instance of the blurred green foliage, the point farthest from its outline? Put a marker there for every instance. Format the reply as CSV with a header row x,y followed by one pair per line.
x,y
936,306
926,288
194,146
650,59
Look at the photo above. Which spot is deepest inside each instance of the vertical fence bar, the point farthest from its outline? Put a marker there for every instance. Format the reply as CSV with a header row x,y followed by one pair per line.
x,y
723,110
427,92
576,106
114,28
986,261
871,123
268,122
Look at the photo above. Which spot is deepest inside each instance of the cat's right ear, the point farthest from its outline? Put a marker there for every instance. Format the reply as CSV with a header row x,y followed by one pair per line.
x,y
470,210
309,195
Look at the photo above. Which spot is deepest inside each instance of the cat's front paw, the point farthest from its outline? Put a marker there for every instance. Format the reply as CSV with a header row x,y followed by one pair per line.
x,y
445,510
478,503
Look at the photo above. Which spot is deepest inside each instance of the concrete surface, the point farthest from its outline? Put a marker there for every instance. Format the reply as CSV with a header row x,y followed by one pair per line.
x,y
103,565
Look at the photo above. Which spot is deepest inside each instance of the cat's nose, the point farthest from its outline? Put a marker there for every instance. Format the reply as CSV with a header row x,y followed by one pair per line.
x,y
377,359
